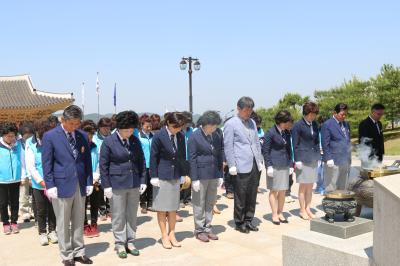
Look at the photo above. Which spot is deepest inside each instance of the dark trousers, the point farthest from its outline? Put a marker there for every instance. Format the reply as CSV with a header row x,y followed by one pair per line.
x,y
146,199
287,193
9,196
34,205
245,195
186,195
104,206
44,212
95,200
228,182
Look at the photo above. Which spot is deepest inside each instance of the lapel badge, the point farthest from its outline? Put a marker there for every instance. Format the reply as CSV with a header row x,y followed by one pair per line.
x,y
83,149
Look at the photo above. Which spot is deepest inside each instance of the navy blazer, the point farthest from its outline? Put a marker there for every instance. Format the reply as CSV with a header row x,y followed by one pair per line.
x,y
305,146
335,145
119,168
60,168
276,149
164,162
205,160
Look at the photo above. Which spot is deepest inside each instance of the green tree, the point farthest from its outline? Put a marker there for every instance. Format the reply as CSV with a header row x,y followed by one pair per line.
x,y
387,84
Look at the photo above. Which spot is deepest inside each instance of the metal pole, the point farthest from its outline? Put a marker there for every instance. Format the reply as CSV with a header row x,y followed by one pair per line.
x,y
190,86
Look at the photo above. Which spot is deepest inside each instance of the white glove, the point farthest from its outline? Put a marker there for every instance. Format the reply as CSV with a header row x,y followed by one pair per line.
x,y
270,171
96,177
330,163
182,180
196,186
291,170
142,188
299,165
52,193
261,167
233,170
108,192
155,181
89,190
220,182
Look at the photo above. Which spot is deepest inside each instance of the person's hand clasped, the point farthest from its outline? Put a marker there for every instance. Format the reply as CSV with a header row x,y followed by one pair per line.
x,y
270,171
233,170
142,188
196,186
155,181
108,192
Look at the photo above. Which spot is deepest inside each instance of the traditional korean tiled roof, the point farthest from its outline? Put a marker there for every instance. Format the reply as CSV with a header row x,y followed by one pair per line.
x,y
17,92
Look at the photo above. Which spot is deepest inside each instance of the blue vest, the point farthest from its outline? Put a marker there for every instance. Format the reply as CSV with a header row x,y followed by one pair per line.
x,y
94,152
188,133
98,140
146,147
37,151
10,163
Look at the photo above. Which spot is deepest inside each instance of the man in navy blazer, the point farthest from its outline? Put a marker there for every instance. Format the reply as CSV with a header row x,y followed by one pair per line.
x,y
67,170
335,137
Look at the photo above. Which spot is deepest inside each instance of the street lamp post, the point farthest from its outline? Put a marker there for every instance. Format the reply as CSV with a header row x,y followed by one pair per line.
x,y
196,65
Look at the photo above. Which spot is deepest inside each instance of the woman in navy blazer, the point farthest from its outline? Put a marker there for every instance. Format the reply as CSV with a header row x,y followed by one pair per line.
x,y
205,148
122,171
168,165
276,149
305,135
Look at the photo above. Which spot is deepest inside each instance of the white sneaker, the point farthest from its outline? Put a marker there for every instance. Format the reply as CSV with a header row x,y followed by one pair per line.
x,y
52,236
43,240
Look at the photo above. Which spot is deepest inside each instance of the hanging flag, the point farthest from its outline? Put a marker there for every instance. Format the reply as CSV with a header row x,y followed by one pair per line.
x,y
115,95
97,84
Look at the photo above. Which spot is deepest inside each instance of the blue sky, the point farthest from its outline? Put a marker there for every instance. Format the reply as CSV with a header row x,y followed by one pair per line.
x,y
262,49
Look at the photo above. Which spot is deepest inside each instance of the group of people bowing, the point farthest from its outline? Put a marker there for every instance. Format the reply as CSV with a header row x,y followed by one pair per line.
x,y
126,162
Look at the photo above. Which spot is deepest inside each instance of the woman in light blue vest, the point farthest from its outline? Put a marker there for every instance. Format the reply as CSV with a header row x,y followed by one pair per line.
x,y
33,159
146,137
103,131
12,167
97,197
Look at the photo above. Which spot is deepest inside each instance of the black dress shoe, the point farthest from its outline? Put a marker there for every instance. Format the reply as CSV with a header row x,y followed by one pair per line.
x,y
283,221
252,227
83,260
242,229
69,262
276,223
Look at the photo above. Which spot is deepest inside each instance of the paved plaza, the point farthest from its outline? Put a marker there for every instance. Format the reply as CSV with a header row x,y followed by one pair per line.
x,y
233,248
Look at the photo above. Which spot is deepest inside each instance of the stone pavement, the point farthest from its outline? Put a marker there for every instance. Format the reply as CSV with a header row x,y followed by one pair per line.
x,y
233,248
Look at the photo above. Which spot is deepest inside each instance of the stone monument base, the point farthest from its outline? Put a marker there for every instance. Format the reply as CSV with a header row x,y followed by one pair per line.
x,y
342,229
307,248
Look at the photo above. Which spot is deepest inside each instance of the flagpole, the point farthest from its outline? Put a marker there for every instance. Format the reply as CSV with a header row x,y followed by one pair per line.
x,y
98,96
83,99
115,98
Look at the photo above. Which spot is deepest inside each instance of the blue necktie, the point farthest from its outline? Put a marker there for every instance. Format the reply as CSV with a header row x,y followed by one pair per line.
x,y
72,144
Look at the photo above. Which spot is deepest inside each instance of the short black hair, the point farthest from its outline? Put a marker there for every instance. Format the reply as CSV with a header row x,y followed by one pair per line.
x,y
104,122
283,116
340,107
127,119
41,127
377,106
210,118
89,126
8,127
256,117
175,119
26,128
53,119
245,102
